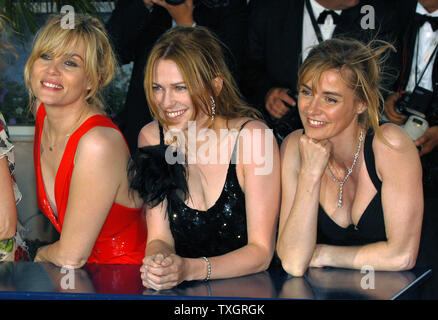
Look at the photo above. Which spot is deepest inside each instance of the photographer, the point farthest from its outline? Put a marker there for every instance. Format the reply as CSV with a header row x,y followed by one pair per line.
x,y
416,89
414,106
134,27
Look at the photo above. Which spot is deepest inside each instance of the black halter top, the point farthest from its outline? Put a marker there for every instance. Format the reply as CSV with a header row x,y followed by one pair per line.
x,y
221,228
371,225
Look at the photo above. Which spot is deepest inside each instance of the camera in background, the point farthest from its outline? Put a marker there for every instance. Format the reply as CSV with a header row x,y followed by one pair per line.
x,y
414,106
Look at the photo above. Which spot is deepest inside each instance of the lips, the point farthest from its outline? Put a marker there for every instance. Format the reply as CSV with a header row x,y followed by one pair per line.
x,y
316,123
173,115
51,85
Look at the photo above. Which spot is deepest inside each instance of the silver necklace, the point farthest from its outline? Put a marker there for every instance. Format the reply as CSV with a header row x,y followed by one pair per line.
x,y
350,170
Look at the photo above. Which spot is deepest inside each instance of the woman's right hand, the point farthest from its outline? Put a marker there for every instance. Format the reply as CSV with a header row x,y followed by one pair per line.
x,y
314,156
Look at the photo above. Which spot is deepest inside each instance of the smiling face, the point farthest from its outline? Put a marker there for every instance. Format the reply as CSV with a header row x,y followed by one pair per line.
x,y
60,79
171,95
329,108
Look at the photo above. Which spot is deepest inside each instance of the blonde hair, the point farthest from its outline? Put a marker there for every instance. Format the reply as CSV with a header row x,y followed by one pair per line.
x,y
100,62
360,66
198,54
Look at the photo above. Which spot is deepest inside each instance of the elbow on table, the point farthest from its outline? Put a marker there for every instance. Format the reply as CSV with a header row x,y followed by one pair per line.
x,y
294,269
290,265
72,263
405,262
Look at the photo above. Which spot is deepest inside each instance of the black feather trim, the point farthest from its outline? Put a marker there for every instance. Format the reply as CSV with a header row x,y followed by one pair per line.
x,y
155,179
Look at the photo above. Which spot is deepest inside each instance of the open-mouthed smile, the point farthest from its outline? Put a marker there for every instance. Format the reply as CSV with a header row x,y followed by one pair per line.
x,y
51,85
316,123
175,114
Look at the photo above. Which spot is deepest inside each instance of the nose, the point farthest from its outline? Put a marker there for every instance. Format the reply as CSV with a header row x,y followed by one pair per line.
x,y
167,99
53,67
312,107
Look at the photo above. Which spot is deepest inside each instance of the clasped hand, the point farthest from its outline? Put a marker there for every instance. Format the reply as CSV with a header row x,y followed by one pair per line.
x,y
160,272
314,155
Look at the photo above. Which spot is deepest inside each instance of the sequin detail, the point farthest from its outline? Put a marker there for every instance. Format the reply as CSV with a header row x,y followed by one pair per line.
x,y
216,231
220,229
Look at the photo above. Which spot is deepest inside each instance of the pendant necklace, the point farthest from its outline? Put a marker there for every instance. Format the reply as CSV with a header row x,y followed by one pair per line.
x,y
51,147
350,170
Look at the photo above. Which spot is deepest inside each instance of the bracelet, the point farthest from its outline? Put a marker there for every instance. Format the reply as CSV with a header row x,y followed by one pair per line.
x,y
208,269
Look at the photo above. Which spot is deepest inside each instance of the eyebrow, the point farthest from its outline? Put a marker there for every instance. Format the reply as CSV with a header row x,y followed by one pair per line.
x,y
172,84
75,55
325,92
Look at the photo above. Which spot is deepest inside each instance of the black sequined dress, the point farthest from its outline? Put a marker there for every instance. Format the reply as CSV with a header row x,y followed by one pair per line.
x,y
220,229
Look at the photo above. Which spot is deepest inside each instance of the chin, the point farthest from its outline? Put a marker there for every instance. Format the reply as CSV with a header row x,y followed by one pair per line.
x,y
316,134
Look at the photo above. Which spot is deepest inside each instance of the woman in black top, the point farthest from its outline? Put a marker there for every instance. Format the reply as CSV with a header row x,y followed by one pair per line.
x,y
351,188
208,169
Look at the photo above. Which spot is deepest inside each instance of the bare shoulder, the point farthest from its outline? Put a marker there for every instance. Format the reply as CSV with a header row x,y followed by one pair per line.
x,y
392,139
395,151
103,141
149,135
290,144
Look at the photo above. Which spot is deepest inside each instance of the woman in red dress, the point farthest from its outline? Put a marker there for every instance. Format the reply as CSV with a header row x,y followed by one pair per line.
x,y
80,155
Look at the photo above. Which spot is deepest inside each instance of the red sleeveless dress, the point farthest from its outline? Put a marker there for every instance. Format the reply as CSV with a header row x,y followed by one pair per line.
x,y
122,239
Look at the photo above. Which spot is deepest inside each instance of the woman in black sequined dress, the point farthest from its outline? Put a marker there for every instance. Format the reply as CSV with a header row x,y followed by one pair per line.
x,y
213,213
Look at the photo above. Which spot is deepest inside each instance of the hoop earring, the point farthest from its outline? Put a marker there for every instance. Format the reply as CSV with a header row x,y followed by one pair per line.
x,y
213,108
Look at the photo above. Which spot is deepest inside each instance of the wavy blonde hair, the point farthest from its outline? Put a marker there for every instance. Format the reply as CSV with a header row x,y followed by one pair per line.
x,y
360,66
198,54
100,62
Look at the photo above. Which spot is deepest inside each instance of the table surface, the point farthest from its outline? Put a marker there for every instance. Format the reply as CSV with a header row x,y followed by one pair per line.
x,y
29,280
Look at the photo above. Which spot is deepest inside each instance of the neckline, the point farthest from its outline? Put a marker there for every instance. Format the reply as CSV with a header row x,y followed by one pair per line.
x,y
54,218
367,143
227,177
221,194
351,225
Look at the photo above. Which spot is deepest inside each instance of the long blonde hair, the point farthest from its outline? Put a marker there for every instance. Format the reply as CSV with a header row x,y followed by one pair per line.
x,y
100,61
198,54
360,66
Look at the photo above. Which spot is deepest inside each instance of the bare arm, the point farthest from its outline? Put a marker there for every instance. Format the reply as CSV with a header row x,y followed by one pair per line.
x,y
8,210
402,200
262,208
100,165
303,162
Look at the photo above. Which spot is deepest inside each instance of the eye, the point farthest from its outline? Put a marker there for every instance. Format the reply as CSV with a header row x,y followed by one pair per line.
x,y
71,63
45,56
180,88
155,88
305,92
331,100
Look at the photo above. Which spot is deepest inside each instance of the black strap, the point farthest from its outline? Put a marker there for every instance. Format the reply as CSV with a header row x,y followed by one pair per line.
x,y
234,154
314,23
370,161
161,134
416,59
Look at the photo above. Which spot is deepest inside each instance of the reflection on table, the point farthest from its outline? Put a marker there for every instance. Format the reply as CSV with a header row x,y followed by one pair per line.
x,y
28,280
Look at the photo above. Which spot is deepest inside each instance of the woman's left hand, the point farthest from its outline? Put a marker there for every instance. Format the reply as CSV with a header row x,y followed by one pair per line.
x,y
168,274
